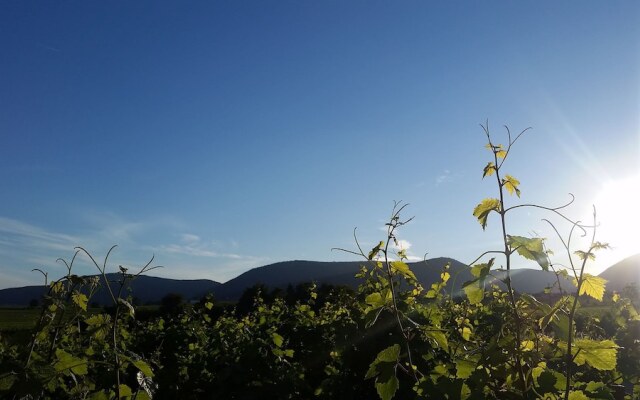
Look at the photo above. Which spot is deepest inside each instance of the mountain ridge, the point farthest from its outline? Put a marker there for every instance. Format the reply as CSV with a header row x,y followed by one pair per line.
x,y
151,289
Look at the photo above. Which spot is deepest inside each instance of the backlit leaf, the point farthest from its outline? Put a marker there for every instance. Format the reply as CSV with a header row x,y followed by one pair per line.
x,y
464,368
125,391
277,339
511,184
383,368
67,362
530,248
402,268
598,354
577,395
489,169
482,270
474,291
483,209
583,255
80,300
593,286
375,250
466,333
386,388
439,337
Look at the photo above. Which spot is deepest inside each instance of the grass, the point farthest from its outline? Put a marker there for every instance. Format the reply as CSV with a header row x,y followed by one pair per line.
x,y
18,319
24,319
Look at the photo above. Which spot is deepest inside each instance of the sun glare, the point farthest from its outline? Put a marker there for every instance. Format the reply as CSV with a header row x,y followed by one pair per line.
x,y
618,212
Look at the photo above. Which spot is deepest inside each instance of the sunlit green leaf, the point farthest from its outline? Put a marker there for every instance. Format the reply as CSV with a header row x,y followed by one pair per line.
x,y
593,286
144,368
277,339
80,300
511,184
402,268
98,319
489,169
383,369
598,354
375,250
584,255
577,395
125,391
439,337
466,333
530,248
483,209
67,362
386,385
375,300
551,314
482,270
527,345
474,291
464,368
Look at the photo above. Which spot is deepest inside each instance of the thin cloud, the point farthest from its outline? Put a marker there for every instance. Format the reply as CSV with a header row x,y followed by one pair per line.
x,y
444,177
25,246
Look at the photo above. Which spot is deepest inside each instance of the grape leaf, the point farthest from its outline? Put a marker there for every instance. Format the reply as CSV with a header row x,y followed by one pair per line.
x,y
277,339
530,248
489,169
80,300
403,268
511,184
483,209
598,354
592,286
144,368
383,369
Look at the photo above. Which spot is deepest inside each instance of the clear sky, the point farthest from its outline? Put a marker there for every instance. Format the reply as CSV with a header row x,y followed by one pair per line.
x,y
222,136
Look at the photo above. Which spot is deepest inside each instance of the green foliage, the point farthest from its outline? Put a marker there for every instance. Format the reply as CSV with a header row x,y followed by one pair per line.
x,y
392,338
483,210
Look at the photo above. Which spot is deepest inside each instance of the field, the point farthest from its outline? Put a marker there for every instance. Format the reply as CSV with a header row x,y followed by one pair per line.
x,y
18,319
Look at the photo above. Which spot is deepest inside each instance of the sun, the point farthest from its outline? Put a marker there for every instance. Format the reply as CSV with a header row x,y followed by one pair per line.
x,y
618,213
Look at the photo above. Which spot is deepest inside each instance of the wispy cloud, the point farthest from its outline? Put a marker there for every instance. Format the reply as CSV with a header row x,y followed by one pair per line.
x,y
192,245
444,177
25,246
14,232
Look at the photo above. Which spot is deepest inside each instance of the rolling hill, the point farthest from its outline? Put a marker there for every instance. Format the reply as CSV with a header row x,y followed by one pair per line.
x,y
623,273
149,289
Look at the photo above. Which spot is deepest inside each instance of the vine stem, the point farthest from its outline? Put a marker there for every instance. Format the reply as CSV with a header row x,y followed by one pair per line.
x,y
580,279
393,224
507,250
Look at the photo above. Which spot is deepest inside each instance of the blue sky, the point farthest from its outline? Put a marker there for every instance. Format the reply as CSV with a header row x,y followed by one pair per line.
x,y
224,136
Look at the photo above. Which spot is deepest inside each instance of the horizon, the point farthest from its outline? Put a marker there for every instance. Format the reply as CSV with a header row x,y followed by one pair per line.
x,y
224,137
151,275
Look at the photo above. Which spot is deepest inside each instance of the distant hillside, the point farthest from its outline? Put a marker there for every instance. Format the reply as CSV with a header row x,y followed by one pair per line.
x,y
623,273
148,289
279,275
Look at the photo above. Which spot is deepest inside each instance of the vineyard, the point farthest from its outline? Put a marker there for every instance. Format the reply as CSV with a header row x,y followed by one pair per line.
x,y
392,338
